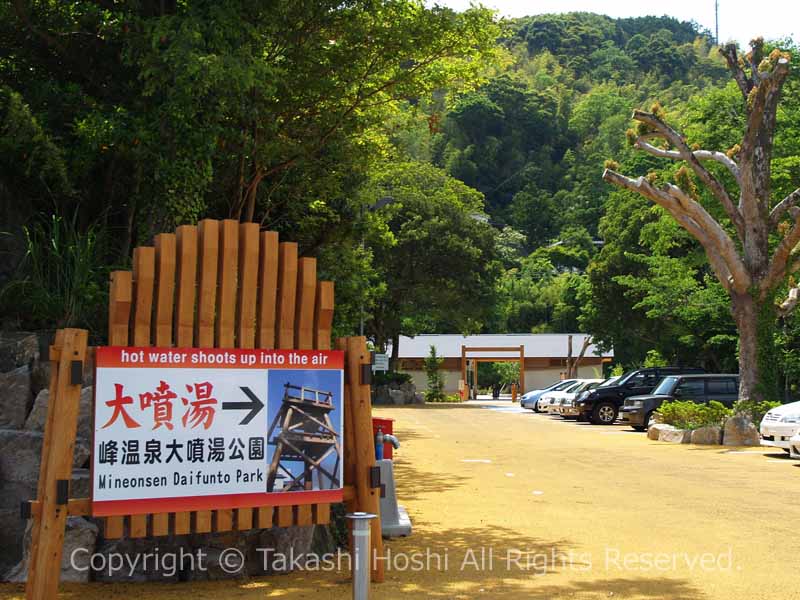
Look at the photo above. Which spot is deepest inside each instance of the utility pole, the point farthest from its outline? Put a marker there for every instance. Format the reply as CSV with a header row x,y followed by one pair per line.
x,y
716,21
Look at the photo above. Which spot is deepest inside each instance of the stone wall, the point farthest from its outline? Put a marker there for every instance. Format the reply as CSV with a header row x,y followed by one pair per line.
x,y
397,394
736,431
24,397
21,381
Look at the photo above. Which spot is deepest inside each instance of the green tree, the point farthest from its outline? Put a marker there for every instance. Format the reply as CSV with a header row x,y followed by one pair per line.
x,y
497,373
133,116
748,264
433,363
437,260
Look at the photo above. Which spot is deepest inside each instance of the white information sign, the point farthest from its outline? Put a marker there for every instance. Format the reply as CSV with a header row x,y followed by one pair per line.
x,y
193,429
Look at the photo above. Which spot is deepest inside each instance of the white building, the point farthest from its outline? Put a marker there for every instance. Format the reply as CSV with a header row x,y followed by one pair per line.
x,y
543,355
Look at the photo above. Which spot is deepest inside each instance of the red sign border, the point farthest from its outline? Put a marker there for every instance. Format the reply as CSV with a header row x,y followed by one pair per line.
x,y
144,506
114,508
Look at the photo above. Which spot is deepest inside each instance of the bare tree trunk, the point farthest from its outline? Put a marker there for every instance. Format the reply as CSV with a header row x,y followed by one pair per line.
x,y
394,361
758,372
569,357
577,362
744,312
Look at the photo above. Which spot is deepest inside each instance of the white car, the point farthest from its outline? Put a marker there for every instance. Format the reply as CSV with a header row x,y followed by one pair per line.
x,y
566,406
794,449
550,403
531,399
779,426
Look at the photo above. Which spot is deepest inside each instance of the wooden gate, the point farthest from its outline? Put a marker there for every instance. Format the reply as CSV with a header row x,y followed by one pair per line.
x,y
220,284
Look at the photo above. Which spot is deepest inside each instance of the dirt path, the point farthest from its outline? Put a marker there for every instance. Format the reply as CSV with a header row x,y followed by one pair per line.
x,y
517,505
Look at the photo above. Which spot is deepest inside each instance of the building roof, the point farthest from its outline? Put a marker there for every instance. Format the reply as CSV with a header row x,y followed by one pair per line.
x,y
537,345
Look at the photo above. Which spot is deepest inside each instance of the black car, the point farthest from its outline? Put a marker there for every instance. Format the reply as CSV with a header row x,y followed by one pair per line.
x,y
601,405
638,410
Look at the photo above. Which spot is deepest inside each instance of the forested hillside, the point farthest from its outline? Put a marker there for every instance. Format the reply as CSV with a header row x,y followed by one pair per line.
x,y
534,140
445,167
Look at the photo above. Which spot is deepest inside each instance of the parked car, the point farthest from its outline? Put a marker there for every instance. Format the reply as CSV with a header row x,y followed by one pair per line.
x,y
530,399
780,428
572,409
637,411
794,448
549,401
601,406
565,406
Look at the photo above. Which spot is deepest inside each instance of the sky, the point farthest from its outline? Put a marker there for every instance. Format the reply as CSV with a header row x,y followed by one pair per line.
x,y
739,20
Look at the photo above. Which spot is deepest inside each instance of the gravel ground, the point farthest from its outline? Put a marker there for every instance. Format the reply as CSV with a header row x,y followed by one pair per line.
x,y
509,504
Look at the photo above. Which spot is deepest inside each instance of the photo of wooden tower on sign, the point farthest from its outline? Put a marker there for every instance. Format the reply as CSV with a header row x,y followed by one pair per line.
x,y
305,442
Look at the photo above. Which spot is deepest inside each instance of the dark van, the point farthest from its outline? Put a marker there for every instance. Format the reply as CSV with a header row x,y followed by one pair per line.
x,y
601,405
638,410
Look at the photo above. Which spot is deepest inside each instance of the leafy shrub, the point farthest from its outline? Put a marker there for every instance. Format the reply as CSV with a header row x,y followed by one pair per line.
x,y
446,398
690,415
390,377
753,409
654,359
61,282
435,391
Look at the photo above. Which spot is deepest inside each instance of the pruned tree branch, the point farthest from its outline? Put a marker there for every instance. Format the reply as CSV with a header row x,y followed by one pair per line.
x,y
779,264
574,364
754,58
687,154
791,302
732,58
793,297
783,207
719,157
764,101
721,250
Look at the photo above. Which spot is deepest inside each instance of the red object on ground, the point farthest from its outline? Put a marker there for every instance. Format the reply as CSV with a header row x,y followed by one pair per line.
x,y
387,426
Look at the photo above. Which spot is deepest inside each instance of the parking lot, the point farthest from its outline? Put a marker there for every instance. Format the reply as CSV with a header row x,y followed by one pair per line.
x,y
510,504
612,503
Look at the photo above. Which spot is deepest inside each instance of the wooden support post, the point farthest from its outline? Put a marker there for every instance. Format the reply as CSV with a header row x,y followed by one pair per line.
x,y
267,290
185,300
120,301
56,465
521,369
323,316
209,233
348,467
186,293
228,272
165,244
368,498
266,314
306,295
287,293
58,344
144,268
464,372
246,317
286,311
475,378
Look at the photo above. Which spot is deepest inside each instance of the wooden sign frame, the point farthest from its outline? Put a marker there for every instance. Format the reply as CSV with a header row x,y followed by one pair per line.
x,y
220,284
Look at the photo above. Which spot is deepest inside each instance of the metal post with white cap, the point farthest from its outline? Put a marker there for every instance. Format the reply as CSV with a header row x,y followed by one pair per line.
x,y
361,554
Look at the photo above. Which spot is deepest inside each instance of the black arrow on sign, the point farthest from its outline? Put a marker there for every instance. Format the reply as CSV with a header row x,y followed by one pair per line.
x,y
254,405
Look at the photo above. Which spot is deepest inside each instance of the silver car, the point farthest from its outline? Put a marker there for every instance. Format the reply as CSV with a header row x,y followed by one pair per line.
x,y
551,403
566,405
